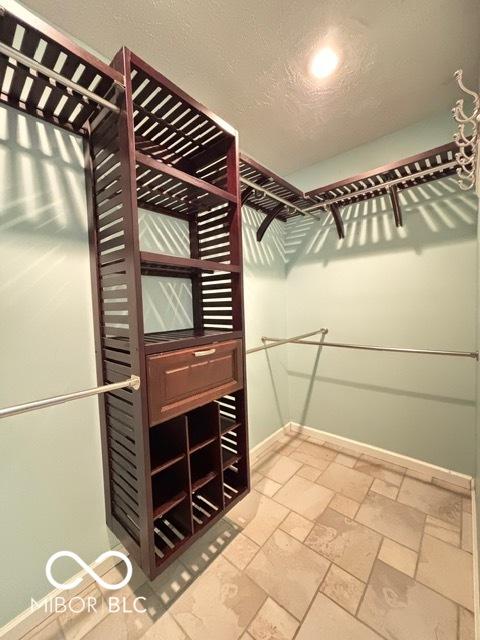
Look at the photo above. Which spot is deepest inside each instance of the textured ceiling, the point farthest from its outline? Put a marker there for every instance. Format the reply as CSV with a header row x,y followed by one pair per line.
x,y
248,59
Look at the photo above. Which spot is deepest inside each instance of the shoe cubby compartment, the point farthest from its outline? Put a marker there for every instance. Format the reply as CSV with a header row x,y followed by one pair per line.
x,y
168,444
205,465
231,452
207,503
171,530
203,427
170,488
235,481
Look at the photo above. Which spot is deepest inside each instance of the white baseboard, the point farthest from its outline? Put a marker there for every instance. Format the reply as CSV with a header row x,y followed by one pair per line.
x,y
257,452
29,619
476,577
417,468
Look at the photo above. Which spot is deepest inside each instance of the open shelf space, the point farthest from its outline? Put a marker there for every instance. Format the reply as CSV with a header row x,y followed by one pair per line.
x,y
203,426
163,188
176,266
169,488
205,465
228,424
168,444
231,447
26,88
176,129
161,341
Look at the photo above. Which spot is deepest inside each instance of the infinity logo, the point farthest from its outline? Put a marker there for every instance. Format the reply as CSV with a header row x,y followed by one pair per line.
x,y
76,581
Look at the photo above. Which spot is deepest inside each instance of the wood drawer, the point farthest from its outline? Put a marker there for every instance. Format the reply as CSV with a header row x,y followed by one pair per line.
x,y
179,381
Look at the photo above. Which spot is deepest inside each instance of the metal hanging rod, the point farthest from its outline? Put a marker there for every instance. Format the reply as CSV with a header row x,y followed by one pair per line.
x,y
279,341
344,345
272,195
33,64
133,383
326,203
387,184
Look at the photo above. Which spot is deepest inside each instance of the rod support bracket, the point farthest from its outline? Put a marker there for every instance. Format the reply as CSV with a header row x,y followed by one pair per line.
x,y
135,383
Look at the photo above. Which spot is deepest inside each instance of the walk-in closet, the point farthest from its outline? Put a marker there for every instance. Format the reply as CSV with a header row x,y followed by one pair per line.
x,y
239,320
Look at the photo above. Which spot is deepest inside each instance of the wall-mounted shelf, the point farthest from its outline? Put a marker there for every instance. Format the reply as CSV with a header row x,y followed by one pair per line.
x,y
279,199
45,74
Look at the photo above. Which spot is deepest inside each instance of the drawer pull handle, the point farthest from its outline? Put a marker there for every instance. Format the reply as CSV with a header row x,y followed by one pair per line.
x,y
207,352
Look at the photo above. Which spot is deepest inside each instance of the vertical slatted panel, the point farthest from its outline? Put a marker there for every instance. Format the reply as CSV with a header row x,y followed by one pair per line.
x,y
123,455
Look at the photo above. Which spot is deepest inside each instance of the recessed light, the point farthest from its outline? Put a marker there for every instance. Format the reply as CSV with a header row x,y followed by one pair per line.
x,y
324,63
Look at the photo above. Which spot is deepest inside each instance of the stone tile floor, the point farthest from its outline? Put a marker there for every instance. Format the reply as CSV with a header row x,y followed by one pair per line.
x,y
327,545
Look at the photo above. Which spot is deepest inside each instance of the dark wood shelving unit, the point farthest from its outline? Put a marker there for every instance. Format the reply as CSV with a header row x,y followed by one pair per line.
x,y
162,445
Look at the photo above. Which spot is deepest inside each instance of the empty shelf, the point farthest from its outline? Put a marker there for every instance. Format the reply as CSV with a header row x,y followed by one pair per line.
x,y
157,468
166,189
227,424
199,445
160,341
203,480
162,264
229,458
167,505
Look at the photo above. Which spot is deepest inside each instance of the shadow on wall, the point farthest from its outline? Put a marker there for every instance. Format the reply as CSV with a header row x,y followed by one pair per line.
x,y
262,255
353,384
51,164
433,213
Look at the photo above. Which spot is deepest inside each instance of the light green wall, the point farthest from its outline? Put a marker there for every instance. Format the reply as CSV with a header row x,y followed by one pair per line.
x,y
51,486
416,138
264,293
412,287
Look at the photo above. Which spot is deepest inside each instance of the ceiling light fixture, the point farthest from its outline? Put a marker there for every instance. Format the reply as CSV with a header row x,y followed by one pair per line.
x,y
324,63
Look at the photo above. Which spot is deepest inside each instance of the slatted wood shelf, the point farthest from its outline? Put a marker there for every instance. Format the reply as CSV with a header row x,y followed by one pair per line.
x,y
177,266
263,177
167,189
164,507
204,511
173,127
25,88
160,341
352,190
